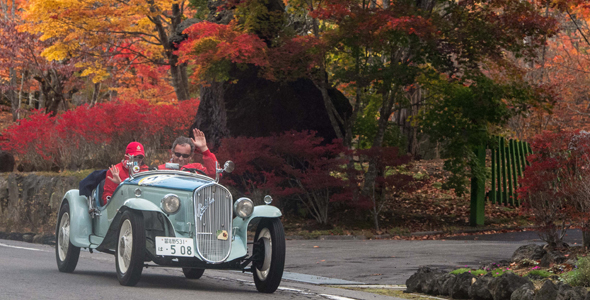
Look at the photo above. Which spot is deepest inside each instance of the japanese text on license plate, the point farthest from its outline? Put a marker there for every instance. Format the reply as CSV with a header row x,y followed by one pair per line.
x,y
170,246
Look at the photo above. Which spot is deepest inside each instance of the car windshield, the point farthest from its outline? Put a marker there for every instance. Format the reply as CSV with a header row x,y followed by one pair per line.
x,y
172,172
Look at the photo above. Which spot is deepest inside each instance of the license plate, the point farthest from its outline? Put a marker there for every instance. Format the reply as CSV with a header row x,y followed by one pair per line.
x,y
170,246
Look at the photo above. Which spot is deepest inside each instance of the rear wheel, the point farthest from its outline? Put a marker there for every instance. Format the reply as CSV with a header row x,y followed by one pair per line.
x,y
130,250
192,273
270,248
66,254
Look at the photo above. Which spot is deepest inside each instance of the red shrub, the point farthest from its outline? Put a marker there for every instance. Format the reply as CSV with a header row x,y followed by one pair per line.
x,y
96,137
290,166
556,186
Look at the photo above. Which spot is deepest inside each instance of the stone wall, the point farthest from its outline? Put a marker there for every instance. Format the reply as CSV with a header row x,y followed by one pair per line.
x,y
29,201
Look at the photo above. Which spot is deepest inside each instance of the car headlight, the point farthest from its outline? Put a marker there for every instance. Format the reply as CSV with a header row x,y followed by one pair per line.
x,y
170,203
243,207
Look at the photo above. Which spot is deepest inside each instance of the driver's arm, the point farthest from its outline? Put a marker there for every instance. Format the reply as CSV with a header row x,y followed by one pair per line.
x,y
209,161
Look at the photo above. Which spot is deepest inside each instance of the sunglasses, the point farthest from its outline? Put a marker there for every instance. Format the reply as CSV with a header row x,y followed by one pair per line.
x,y
138,157
183,155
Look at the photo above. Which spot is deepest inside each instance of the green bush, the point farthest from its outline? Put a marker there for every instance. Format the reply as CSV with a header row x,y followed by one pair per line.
x,y
580,276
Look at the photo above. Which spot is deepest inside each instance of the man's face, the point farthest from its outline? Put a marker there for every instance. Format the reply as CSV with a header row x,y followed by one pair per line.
x,y
181,154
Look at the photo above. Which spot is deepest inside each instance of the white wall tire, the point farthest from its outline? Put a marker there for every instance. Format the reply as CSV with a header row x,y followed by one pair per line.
x,y
130,249
66,254
270,241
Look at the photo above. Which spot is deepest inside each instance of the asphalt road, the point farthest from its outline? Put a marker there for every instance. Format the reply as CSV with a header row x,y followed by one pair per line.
x,y
28,271
393,262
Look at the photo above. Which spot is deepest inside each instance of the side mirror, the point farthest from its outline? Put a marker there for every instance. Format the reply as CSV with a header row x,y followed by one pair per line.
x,y
229,166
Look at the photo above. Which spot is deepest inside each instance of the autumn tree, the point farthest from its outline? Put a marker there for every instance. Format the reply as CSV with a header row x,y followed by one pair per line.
x,y
383,54
20,55
119,34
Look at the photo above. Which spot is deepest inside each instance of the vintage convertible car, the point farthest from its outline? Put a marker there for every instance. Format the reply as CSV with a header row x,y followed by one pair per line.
x,y
176,219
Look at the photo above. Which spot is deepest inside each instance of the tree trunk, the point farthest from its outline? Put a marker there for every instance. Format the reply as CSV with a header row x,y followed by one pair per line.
x,y
212,116
95,93
14,105
586,236
179,78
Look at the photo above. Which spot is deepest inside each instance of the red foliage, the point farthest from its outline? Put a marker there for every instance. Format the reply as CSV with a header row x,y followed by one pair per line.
x,y
555,188
297,166
95,137
209,43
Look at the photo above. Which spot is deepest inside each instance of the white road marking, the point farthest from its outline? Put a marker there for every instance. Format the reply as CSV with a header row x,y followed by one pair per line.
x,y
334,297
17,247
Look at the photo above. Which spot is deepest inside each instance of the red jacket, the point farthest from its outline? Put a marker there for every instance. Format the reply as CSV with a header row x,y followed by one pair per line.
x,y
209,161
110,187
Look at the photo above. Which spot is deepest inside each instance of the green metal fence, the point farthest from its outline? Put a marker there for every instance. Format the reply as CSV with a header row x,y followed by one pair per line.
x,y
508,163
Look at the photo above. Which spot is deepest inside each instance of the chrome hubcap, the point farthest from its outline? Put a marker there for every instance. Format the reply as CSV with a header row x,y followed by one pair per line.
x,y
125,246
262,272
63,239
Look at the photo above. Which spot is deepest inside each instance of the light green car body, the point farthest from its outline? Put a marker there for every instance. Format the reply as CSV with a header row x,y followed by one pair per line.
x,y
98,230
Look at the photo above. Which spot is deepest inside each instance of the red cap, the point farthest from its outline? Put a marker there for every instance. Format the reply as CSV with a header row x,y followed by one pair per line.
x,y
134,148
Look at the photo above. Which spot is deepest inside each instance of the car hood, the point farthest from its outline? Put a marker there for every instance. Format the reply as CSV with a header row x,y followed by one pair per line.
x,y
169,181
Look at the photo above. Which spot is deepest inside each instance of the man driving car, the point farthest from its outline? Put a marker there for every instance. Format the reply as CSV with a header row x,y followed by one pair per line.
x,y
183,149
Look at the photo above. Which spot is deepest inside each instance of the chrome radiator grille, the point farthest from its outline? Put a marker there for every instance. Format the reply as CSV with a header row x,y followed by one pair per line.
x,y
213,219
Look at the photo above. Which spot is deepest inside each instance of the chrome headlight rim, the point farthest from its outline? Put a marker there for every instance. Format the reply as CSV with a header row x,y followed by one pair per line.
x,y
243,207
168,201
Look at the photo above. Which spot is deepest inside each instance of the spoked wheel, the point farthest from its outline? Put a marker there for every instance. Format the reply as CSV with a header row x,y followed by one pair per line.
x,y
130,251
270,245
66,254
192,273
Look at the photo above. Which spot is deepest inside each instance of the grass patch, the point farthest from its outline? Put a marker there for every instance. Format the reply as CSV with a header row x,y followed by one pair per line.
x,y
468,270
540,273
392,293
498,272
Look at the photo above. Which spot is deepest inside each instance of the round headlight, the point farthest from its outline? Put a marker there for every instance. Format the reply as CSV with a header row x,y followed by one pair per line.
x,y
170,203
243,207
267,199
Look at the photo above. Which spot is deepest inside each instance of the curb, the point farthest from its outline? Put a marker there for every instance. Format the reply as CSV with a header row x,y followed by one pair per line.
x,y
413,234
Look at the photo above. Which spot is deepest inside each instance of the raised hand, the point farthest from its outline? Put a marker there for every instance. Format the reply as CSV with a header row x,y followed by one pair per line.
x,y
199,140
115,172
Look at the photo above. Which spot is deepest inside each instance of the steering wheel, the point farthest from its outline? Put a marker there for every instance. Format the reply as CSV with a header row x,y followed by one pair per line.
x,y
195,170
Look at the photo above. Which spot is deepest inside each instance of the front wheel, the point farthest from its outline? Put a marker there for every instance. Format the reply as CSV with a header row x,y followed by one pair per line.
x,y
66,254
130,250
192,273
269,246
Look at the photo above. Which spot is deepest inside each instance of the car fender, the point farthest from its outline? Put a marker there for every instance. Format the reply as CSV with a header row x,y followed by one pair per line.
x,y
80,220
240,226
142,204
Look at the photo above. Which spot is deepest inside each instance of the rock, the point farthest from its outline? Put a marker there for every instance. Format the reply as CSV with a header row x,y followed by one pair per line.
x,y
444,283
28,237
502,287
423,281
523,293
567,292
460,289
6,162
15,236
32,200
552,257
47,239
530,251
480,289
492,266
547,292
